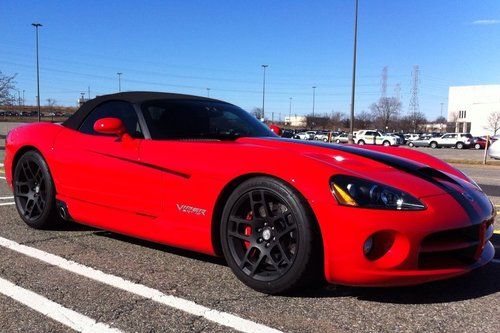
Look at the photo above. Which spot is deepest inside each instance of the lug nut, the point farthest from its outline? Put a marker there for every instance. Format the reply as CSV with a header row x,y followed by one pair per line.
x,y
267,244
259,240
259,230
274,238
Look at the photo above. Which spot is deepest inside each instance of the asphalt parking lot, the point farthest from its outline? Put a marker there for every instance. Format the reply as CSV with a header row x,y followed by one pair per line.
x,y
134,288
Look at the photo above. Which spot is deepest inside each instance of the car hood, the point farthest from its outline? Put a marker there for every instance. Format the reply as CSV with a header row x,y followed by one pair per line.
x,y
417,173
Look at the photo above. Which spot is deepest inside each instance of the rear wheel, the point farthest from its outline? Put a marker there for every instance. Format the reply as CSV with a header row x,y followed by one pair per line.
x,y
477,146
338,141
411,144
386,143
361,142
268,236
434,144
460,145
34,192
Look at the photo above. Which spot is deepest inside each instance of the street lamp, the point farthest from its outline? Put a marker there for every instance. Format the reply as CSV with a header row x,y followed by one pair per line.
x,y
37,25
119,81
290,112
351,127
314,97
264,91
208,92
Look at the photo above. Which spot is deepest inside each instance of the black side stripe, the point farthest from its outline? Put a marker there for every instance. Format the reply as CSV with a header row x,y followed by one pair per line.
x,y
414,168
147,165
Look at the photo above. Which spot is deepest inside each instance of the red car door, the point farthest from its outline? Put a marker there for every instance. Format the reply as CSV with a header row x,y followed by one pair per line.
x,y
102,174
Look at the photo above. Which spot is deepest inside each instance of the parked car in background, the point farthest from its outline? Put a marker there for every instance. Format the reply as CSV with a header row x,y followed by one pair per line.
x,y
411,136
341,138
286,133
455,140
376,138
309,135
494,150
479,142
322,135
423,140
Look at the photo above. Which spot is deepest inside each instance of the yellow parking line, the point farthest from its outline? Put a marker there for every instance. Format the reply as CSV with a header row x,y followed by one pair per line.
x,y
496,232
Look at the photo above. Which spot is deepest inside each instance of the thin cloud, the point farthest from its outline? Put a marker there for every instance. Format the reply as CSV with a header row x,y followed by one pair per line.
x,y
486,22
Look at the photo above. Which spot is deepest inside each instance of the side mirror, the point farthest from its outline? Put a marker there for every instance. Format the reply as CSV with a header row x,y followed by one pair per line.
x,y
113,126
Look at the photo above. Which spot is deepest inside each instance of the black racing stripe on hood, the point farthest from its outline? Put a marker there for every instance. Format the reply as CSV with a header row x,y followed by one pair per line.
x,y
422,171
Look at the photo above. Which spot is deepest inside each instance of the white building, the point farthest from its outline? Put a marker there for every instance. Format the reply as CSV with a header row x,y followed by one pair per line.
x,y
296,121
470,106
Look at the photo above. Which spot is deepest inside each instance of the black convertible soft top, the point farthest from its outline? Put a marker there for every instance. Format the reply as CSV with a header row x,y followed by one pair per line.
x,y
134,97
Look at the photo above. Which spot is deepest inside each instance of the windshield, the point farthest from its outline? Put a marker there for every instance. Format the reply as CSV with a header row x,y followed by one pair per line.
x,y
200,119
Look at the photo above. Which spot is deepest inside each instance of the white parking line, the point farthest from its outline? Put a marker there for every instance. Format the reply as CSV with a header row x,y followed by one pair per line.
x,y
496,261
2,177
53,310
6,198
219,317
7,203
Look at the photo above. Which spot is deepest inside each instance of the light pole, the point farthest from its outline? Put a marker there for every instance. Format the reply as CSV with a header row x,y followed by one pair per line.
x,y
264,92
24,101
351,127
442,110
208,92
314,98
37,25
290,112
119,81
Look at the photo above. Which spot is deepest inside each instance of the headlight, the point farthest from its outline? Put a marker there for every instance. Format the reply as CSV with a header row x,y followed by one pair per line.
x,y
357,192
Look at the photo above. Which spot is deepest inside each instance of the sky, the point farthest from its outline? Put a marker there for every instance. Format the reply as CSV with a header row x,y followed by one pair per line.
x,y
189,46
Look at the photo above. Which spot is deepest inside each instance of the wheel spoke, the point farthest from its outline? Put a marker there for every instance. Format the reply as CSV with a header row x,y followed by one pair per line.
x,y
239,236
284,257
257,264
265,204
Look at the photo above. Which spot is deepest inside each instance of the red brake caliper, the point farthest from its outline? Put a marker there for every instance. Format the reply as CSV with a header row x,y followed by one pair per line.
x,y
248,229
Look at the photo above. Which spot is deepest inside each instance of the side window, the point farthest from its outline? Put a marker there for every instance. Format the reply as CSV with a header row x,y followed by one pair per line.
x,y
113,109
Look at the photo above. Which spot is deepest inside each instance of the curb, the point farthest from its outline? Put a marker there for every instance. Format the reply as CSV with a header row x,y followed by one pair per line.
x,y
472,162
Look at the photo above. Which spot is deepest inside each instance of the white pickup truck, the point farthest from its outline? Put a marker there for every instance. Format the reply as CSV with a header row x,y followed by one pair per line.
x,y
368,137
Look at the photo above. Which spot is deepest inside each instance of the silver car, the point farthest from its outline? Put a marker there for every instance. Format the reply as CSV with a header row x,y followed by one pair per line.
x,y
494,150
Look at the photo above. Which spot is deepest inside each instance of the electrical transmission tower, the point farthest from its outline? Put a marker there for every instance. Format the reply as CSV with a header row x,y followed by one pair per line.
x,y
383,83
397,92
414,107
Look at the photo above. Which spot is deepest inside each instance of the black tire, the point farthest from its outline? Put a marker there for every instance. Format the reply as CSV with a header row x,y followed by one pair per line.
x,y
411,144
386,143
269,238
434,145
34,192
361,142
459,145
477,146
338,141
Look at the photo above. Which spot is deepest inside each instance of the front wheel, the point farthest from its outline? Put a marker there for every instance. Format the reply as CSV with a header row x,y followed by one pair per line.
x,y
361,142
434,145
411,144
477,146
460,145
268,236
386,143
34,192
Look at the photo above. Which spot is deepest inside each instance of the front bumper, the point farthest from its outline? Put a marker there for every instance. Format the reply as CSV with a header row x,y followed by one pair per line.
x,y
413,247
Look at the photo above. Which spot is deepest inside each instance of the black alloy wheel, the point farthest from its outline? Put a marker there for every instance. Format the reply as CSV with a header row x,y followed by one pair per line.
x,y
267,236
34,192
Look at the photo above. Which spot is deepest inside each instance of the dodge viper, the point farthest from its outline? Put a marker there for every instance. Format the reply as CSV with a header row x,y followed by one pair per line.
x,y
204,175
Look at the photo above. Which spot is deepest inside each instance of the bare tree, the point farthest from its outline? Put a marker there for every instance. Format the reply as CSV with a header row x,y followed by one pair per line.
x,y
440,120
51,102
363,120
7,87
257,113
385,111
493,122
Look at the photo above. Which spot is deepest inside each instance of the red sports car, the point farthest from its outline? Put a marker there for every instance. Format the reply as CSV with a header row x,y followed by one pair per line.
x,y
204,175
